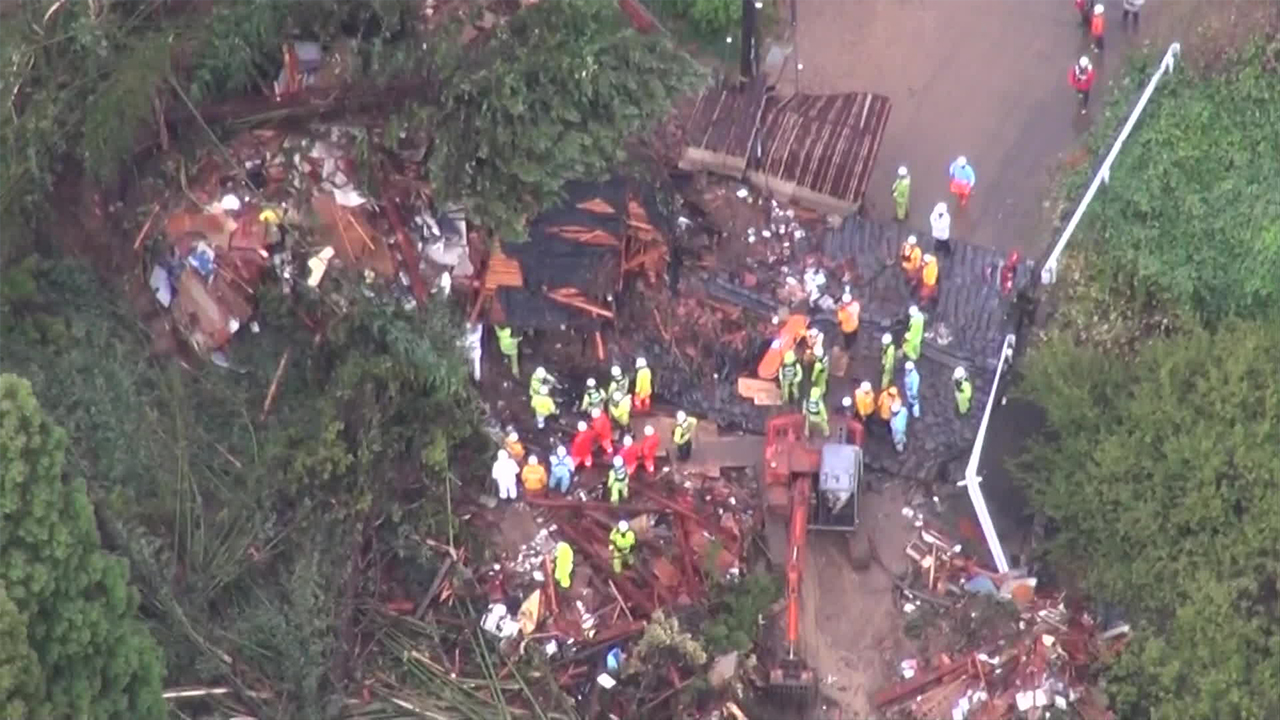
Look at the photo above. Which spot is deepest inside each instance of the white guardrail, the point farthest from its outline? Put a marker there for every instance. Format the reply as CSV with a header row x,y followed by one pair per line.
x,y
1049,273
972,480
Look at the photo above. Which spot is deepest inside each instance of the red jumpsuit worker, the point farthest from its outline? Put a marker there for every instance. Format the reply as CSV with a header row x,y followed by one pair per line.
x,y
1081,78
583,443
630,454
649,448
1085,8
603,429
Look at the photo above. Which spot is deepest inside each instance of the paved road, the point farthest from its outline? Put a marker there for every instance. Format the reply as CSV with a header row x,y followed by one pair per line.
x,y
983,78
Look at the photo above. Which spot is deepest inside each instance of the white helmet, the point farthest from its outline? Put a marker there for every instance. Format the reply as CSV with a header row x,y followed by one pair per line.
x,y
595,412
846,298
897,405
623,526
1084,61
513,436
561,451
540,372
582,426
902,171
909,366
928,257
503,455
1097,9
962,160
617,397
615,371
544,389
681,416
617,461
959,374
940,208
627,440
913,310
648,430
846,401
819,352
641,362
533,459
911,239
865,386
887,339
591,382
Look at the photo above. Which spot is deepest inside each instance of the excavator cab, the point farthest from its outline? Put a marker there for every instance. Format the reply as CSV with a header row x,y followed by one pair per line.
x,y
806,480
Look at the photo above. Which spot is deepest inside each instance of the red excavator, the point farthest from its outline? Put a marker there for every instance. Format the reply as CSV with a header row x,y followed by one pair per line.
x,y
816,484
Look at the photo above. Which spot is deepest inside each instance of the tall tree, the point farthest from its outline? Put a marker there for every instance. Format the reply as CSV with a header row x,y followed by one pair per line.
x,y
93,656
1162,472
551,97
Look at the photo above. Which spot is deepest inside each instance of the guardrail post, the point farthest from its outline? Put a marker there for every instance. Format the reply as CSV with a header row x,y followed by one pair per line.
x,y
1049,272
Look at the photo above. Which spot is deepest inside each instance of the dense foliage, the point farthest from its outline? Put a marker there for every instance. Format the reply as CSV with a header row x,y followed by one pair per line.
x,y
712,20
72,646
1163,474
253,540
1188,220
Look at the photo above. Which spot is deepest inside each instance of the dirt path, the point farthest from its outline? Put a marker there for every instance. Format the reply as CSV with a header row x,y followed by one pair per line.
x,y
983,78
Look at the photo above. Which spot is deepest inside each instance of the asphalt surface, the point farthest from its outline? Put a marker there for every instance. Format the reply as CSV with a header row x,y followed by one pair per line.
x,y
982,78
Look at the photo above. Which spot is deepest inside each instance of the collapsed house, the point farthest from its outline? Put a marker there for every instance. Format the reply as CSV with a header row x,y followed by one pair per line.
x,y
814,150
571,267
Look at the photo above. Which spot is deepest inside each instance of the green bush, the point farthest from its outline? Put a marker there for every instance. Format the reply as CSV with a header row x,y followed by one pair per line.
x,y
1190,218
736,609
713,19
1161,478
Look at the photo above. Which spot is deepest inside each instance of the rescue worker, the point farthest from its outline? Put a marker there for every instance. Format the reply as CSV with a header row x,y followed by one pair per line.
x,y
505,472
539,378
620,409
884,404
1131,7
644,386
1085,8
901,193
888,360
1009,273
649,448
963,178
509,346
864,401
815,413
514,447
618,382
929,279
911,386
940,226
850,317
564,565
910,257
534,477
618,481
543,406
915,333
621,539
630,454
1082,76
898,427
583,443
561,470
682,435
964,390
1097,27
821,370
603,430
789,377
592,397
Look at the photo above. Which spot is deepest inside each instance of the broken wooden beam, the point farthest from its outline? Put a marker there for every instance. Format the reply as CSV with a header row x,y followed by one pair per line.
x,y
275,385
906,688
575,299
407,251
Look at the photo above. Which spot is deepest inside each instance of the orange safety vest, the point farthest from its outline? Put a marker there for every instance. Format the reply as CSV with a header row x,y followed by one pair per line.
x,y
864,402
887,397
849,316
534,477
1097,26
911,257
930,274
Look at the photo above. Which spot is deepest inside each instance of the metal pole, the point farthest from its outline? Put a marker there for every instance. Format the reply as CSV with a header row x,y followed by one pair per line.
x,y
972,480
1049,273
747,61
